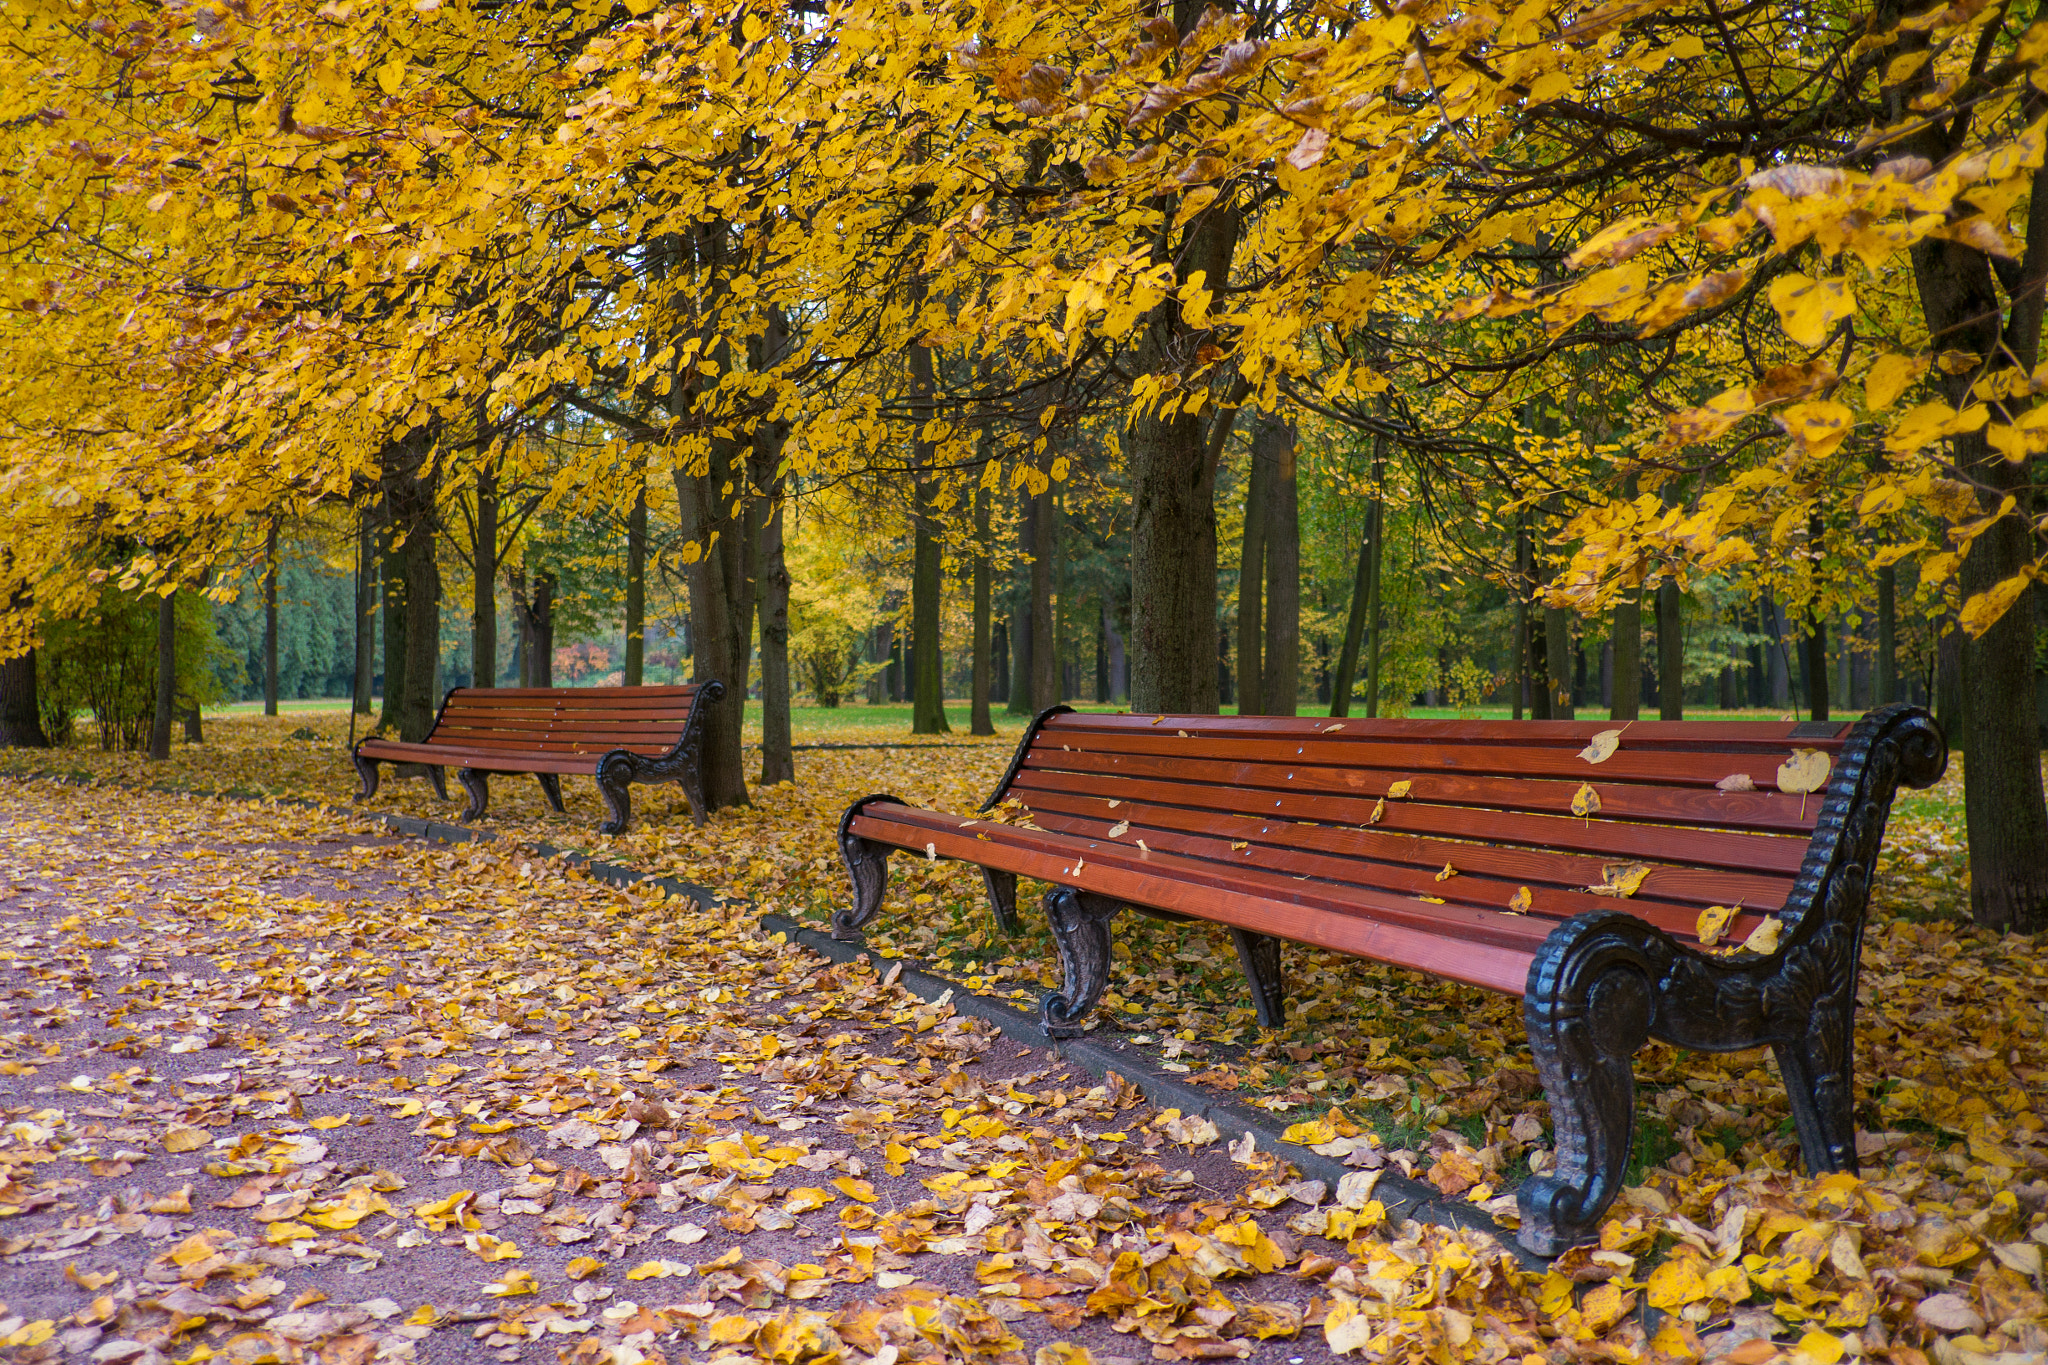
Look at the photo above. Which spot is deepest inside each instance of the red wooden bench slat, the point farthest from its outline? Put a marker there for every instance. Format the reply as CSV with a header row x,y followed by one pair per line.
x,y
1734,850
1385,932
1564,734
1379,854
1759,810
1387,762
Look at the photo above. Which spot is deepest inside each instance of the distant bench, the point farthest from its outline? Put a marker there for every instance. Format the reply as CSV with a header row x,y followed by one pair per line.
x,y
1453,848
618,735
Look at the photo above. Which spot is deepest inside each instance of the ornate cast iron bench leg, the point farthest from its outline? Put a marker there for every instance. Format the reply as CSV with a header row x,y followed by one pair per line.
x,y
1259,955
1588,1008
1080,928
551,787
478,785
615,772
1002,898
867,866
366,769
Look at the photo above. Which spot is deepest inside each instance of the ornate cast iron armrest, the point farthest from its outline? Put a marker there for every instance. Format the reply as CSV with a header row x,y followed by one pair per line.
x,y
867,865
1604,982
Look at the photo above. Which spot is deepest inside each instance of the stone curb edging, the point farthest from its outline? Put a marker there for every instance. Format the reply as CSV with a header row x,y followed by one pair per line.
x,y
1403,1196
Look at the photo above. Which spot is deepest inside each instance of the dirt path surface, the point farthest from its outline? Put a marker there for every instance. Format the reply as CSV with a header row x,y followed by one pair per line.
x,y
276,1087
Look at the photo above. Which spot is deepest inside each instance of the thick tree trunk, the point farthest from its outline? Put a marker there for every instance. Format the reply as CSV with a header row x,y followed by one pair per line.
x,y
1813,665
1045,663
395,654
21,718
999,663
1354,619
1280,671
979,721
166,677
927,588
1524,585
1670,651
21,713
1557,662
1251,582
483,624
1626,630
366,615
270,567
2002,793
634,671
1020,621
534,613
721,610
422,697
778,758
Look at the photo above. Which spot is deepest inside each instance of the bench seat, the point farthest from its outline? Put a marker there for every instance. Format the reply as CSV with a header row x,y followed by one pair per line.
x,y
1451,847
618,735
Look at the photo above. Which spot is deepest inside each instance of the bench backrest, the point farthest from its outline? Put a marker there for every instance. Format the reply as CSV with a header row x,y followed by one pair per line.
x,y
569,720
1492,800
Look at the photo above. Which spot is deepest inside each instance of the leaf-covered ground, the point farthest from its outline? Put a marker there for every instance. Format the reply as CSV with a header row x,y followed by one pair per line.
x,y
319,970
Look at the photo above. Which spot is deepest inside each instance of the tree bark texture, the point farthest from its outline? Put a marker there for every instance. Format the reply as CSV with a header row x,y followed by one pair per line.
x,y
1174,637
1045,663
422,697
366,615
1626,629
21,715
1557,661
1280,670
927,589
483,626
391,562
166,677
1251,584
1670,651
270,567
1887,674
634,671
1020,621
2002,792
1354,619
979,721
778,758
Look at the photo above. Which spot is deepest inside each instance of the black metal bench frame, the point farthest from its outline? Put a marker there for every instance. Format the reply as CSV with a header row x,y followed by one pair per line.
x,y
1601,985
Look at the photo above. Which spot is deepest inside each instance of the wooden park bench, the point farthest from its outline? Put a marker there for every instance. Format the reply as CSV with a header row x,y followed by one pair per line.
x,y
618,735
1492,853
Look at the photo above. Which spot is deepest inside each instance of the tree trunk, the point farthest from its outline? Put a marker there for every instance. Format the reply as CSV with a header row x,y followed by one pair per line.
x,y
1813,664
1948,684
721,608
634,671
270,567
979,721
395,654
366,615
778,758
422,619
927,588
1045,664
1557,661
1524,585
483,625
21,716
1627,633
166,677
1020,621
1172,461
1280,671
2002,793
1354,620
1886,677
1777,657
1670,651
534,613
999,663
1251,582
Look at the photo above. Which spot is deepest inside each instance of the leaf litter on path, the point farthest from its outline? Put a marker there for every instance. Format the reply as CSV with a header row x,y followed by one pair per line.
x,y
1438,1077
